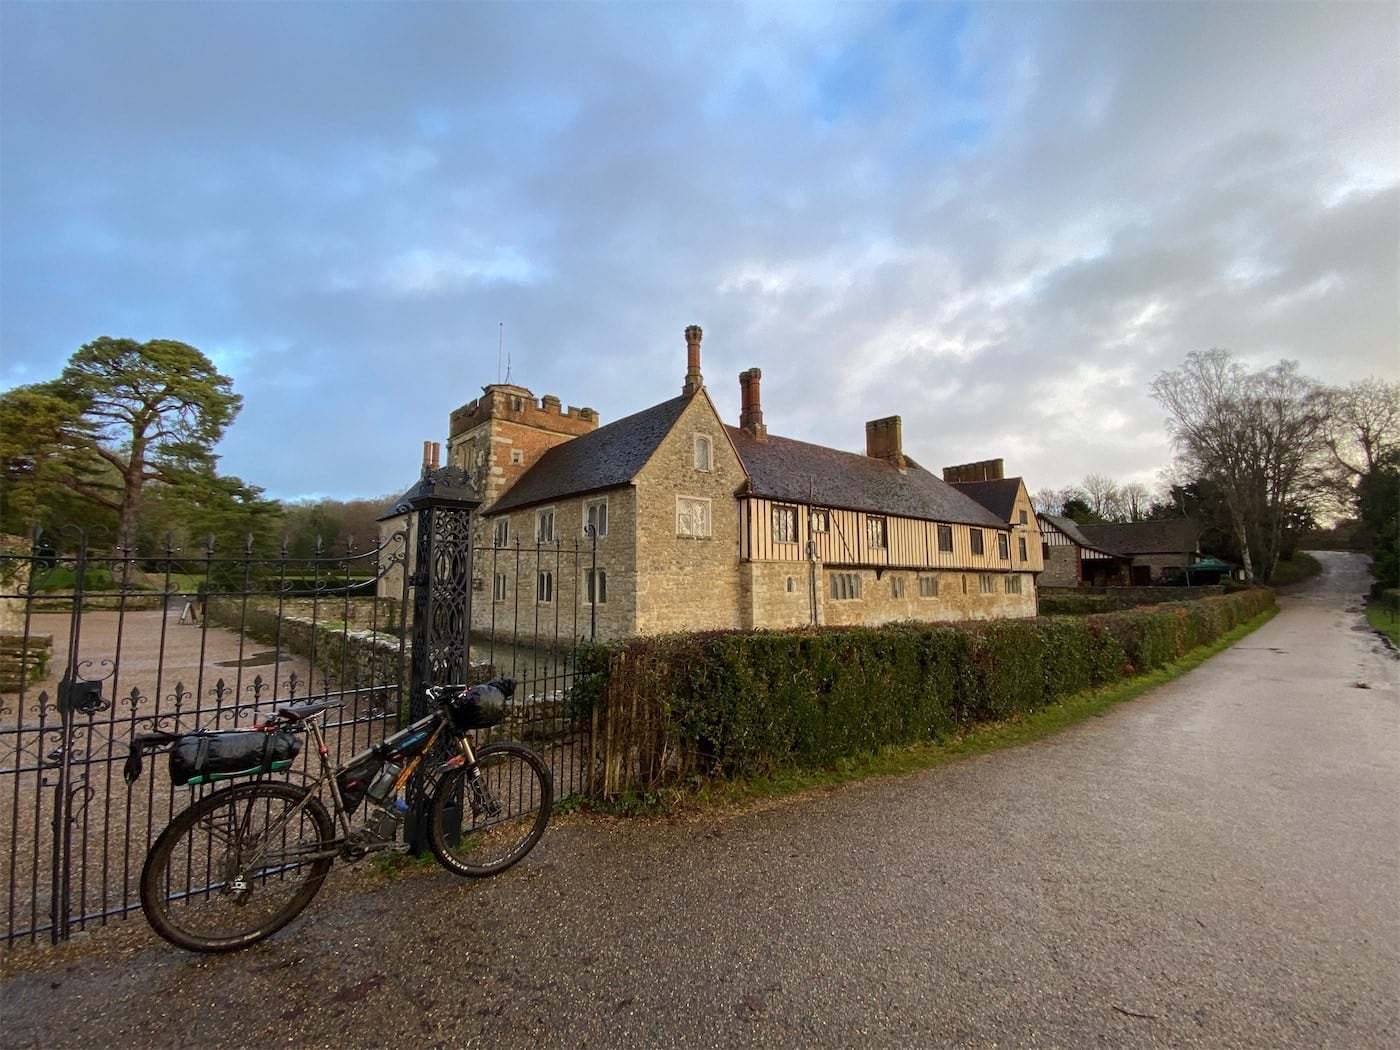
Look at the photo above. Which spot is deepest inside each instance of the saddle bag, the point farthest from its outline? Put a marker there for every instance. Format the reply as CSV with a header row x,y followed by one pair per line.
x,y
199,758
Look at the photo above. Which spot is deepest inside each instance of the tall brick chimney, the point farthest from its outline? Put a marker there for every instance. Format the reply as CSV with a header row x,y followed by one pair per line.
x,y
694,381
884,439
750,408
982,470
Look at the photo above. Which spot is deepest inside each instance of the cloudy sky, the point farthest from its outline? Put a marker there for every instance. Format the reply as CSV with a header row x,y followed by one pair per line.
x,y
998,221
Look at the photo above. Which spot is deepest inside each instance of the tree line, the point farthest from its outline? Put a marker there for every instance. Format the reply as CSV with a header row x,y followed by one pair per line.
x,y
121,445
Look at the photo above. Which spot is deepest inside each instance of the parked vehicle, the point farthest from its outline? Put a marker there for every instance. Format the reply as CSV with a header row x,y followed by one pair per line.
x,y
243,861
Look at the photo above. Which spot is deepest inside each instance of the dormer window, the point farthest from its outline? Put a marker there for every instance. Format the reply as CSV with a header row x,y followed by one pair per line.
x,y
703,451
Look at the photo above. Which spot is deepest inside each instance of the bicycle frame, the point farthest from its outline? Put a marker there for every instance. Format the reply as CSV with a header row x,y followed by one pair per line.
x,y
341,811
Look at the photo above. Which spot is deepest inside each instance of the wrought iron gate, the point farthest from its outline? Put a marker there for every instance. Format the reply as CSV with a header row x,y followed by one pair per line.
x,y
97,644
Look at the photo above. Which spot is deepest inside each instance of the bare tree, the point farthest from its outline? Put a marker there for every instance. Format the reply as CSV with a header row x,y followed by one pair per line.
x,y
1104,497
1135,500
1363,425
1256,435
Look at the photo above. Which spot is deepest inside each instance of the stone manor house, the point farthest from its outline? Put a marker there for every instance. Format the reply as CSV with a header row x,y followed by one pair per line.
x,y
701,524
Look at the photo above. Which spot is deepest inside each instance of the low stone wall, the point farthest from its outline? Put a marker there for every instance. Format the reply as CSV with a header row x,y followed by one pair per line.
x,y
351,657
23,656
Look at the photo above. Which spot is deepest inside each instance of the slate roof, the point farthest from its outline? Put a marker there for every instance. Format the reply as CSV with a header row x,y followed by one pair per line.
x,y
784,469
601,459
1178,536
1070,528
998,496
779,468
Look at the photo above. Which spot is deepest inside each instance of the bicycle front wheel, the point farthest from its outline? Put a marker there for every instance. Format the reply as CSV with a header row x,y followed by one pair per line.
x,y
237,866
481,825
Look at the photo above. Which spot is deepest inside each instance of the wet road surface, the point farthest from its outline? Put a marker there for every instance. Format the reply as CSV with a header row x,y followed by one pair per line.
x,y
1214,864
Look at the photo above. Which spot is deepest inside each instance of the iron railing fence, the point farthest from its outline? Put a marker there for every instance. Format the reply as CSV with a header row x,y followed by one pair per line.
x,y
97,645
102,644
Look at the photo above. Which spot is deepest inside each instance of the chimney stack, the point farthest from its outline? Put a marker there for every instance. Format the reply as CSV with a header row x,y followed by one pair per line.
x,y
884,439
694,382
750,407
431,451
982,470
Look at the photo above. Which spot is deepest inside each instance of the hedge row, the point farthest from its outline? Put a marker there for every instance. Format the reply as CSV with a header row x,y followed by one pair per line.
x,y
728,704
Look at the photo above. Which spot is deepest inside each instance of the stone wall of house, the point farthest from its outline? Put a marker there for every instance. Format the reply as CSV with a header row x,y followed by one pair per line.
x,y
1061,567
895,595
1157,562
778,594
568,615
684,583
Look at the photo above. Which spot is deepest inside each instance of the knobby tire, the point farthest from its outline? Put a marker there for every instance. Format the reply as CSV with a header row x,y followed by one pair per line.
x,y
189,887
483,831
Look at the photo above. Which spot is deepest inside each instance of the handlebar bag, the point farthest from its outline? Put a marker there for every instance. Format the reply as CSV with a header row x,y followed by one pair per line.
x,y
199,758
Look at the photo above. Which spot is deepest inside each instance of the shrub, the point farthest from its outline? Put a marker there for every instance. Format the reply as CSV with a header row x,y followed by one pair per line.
x,y
728,703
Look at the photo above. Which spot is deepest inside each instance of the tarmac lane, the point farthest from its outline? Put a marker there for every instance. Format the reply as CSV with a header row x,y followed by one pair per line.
x,y
1214,864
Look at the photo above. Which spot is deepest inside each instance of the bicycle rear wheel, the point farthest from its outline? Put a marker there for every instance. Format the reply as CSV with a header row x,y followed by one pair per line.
x,y
237,866
481,826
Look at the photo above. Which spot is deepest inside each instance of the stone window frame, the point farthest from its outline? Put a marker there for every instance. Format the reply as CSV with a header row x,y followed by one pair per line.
x,y
987,582
844,586
1013,584
928,585
544,525
589,506
498,587
517,457
704,453
596,577
687,526
896,587
500,532
544,587
945,539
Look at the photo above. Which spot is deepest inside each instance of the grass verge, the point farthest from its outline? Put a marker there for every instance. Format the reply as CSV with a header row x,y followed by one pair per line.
x,y
1384,620
899,761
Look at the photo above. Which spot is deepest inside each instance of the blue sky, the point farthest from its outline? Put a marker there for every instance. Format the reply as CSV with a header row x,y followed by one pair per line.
x,y
998,221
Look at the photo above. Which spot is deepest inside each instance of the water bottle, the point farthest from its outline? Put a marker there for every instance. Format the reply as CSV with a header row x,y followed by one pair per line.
x,y
390,819
383,784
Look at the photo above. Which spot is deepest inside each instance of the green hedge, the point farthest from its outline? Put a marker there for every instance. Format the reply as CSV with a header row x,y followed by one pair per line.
x,y
744,703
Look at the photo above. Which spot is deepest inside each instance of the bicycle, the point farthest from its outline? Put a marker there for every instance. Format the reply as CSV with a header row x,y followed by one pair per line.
x,y
243,861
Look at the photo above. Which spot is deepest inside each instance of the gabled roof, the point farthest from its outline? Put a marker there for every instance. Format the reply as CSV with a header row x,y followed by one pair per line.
x,y
1178,536
998,496
1071,528
794,471
604,458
